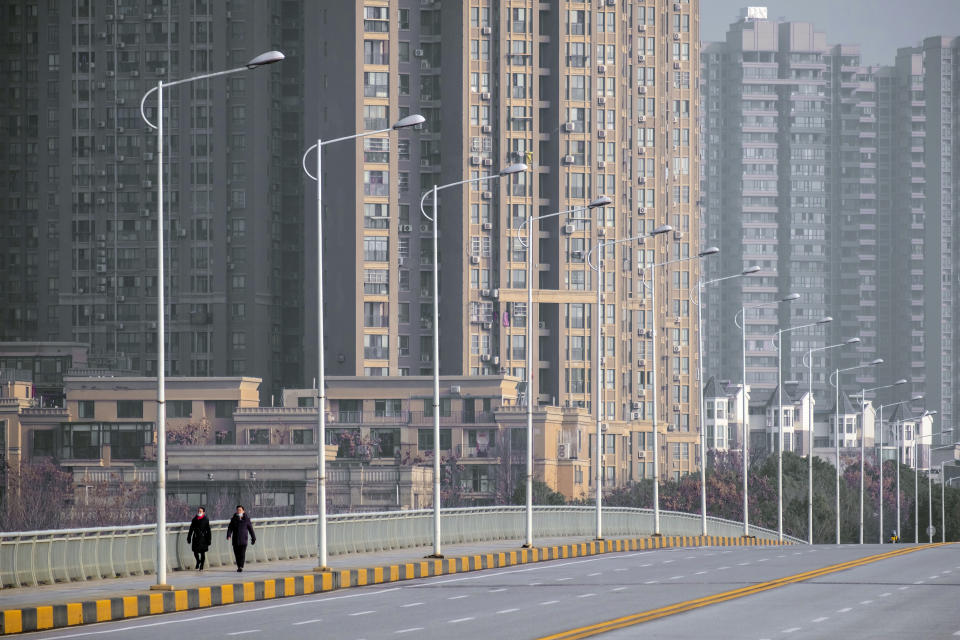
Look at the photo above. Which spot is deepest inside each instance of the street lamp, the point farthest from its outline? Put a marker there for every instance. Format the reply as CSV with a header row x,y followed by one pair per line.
x,y
703,443
836,428
505,172
261,60
602,201
880,450
810,431
780,333
408,121
863,427
599,371
916,474
656,453
743,398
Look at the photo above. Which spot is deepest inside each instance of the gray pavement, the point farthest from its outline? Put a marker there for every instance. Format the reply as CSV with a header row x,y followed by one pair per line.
x,y
94,589
532,601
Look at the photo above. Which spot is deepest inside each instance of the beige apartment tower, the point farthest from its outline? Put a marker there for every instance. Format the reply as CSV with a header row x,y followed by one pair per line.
x,y
598,98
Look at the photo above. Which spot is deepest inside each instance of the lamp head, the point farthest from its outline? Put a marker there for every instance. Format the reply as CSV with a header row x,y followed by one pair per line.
x,y
750,270
852,341
825,320
513,168
709,251
264,59
916,397
791,297
664,228
409,121
875,362
602,201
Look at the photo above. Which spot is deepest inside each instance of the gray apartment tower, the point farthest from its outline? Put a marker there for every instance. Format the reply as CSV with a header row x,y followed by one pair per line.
x,y
78,240
789,184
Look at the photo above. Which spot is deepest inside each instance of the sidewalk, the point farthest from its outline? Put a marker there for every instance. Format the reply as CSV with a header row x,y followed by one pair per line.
x,y
76,603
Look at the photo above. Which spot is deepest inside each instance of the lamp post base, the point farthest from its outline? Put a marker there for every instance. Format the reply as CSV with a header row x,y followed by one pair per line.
x,y
321,569
161,587
526,546
435,556
656,535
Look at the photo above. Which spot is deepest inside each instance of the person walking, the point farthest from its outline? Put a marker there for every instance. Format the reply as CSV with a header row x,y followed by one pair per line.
x,y
199,537
241,530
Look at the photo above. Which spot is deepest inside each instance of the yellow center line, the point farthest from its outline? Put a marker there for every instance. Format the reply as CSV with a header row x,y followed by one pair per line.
x,y
680,607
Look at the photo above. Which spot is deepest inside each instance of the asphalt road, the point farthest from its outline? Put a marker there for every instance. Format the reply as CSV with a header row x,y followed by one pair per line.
x,y
914,595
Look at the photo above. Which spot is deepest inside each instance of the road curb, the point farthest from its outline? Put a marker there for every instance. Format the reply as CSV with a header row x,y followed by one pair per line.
x,y
137,605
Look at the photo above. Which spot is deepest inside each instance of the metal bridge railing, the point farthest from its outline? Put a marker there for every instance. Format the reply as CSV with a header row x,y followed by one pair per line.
x,y
32,558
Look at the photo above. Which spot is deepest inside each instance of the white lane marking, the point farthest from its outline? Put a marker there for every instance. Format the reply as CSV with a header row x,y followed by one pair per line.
x,y
620,569
363,613
946,571
411,629
676,577
763,559
497,590
595,573
650,582
480,575
884,595
742,564
643,566
791,629
934,577
535,584
507,610
699,573
722,568
956,633
565,579
866,601
412,604
845,609
232,611
457,597
821,618
550,602
904,588
690,557
297,624
618,589
240,633
459,620
586,595
667,561
781,556
918,582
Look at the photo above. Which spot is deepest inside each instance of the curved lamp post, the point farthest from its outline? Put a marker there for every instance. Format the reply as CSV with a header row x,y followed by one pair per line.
x,y
914,398
503,173
599,371
261,60
602,201
408,121
863,428
836,430
780,334
743,398
810,431
703,442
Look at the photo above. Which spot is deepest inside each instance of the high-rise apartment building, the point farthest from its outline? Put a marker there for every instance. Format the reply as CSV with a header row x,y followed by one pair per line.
x,y
598,99
919,107
789,185
78,243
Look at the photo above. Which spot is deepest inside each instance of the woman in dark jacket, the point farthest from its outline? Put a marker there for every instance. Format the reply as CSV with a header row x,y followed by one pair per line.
x,y
199,537
240,530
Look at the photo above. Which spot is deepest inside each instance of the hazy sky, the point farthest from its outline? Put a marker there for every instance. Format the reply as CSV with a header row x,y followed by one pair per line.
x,y
880,27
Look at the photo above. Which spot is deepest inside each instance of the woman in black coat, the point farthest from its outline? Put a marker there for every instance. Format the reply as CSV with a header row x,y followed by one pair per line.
x,y
199,537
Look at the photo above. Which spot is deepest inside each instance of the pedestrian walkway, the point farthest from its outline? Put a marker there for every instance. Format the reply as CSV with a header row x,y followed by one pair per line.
x,y
62,605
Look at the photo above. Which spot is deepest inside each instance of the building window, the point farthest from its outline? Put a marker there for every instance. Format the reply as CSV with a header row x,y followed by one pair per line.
x,y
303,436
258,436
376,183
224,408
179,408
376,19
43,443
129,408
425,439
376,84
85,409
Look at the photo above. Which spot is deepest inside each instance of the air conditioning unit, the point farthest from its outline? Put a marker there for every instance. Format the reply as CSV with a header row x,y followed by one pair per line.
x,y
576,254
641,210
402,260
568,229
487,326
541,325
487,195
486,31
424,162
108,17
418,53
101,201
635,415
677,7
485,293
455,388
601,68
676,320
495,293
135,73
102,35
641,363
563,451
405,228
145,213
601,164
601,100
676,65
567,159
121,298
676,408
676,37
101,268
101,316
101,85
475,160
486,128
485,357
568,126
488,226
495,359
641,58
635,405
110,74
152,325
160,71
641,118
677,235
148,184
424,228
487,162
642,28
641,90
148,156
474,259
485,95
182,233
601,231
602,133
101,124
642,180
